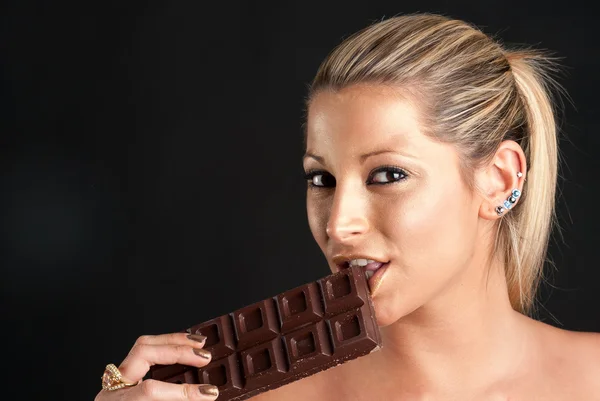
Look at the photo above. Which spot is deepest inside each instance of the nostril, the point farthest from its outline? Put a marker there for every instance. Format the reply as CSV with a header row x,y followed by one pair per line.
x,y
343,232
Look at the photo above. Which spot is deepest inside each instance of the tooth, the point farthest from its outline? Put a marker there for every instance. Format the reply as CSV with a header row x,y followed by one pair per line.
x,y
369,274
362,262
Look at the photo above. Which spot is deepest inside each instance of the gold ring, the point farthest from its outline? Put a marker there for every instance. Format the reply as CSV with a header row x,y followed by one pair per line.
x,y
113,380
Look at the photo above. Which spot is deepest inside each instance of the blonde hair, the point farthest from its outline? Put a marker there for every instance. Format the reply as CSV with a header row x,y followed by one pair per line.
x,y
474,93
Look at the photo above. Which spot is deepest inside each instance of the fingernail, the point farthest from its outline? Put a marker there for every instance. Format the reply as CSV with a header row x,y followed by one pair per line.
x,y
208,389
202,353
197,337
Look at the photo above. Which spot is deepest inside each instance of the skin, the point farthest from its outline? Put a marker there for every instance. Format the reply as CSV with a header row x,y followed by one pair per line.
x,y
448,328
449,332
165,349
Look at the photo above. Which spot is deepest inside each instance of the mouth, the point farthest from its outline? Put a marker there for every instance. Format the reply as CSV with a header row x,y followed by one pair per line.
x,y
374,269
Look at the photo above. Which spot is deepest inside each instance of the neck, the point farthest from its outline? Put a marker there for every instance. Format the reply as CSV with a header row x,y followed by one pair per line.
x,y
467,336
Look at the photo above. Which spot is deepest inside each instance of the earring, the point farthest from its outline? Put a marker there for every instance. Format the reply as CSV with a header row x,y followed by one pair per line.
x,y
519,174
512,199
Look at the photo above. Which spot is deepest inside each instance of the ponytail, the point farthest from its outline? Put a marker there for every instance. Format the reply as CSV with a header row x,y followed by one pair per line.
x,y
527,231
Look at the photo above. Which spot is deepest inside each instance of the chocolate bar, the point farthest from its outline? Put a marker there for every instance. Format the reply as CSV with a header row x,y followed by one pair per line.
x,y
284,338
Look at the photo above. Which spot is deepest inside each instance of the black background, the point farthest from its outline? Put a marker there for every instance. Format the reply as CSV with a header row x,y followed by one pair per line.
x,y
151,167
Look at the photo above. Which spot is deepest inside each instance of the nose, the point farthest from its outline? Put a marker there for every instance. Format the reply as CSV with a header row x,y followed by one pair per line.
x,y
348,216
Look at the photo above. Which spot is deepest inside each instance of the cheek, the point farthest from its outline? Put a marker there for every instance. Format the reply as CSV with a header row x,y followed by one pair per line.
x,y
317,219
432,235
432,228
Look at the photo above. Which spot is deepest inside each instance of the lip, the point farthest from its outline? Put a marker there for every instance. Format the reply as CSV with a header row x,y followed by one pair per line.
x,y
341,261
377,278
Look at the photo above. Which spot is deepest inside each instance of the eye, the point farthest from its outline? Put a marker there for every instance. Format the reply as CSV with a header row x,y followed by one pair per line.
x,y
319,179
386,175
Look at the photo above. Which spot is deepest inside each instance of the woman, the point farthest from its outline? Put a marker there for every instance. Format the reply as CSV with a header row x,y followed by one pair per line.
x,y
432,151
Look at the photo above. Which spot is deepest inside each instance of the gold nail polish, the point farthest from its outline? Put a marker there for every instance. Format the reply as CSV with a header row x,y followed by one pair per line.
x,y
197,337
208,389
202,353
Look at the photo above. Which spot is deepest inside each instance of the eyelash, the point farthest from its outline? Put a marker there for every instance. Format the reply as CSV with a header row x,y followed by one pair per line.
x,y
309,175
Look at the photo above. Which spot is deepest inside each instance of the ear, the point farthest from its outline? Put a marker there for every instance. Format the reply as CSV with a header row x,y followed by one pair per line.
x,y
499,178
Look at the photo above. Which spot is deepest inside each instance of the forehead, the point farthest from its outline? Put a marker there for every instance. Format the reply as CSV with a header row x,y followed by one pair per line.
x,y
362,115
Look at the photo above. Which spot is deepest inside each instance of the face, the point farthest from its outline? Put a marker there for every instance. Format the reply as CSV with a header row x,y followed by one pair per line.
x,y
380,189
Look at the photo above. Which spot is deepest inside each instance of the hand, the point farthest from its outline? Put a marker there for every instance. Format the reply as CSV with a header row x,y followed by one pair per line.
x,y
166,349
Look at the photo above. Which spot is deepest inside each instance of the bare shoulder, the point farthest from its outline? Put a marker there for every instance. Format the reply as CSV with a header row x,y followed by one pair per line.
x,y
586,355
306,389
572,357
279,394
580,347
268,396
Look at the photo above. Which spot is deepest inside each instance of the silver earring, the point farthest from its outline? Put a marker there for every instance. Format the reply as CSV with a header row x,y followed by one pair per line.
x,y
519,174
512,199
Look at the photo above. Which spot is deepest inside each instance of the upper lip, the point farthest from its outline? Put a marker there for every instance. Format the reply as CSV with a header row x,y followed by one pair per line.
x,y
341,260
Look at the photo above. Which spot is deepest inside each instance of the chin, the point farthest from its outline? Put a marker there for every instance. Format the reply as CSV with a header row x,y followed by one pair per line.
x,y
388,312
384,315
394,301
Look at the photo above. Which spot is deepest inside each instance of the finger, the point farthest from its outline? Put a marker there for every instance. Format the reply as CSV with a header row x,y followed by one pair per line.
x,y
154,390
142,356
192,340
158,391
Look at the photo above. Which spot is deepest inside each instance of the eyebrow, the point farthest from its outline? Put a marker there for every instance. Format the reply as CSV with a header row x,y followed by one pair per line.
x,y
362,157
